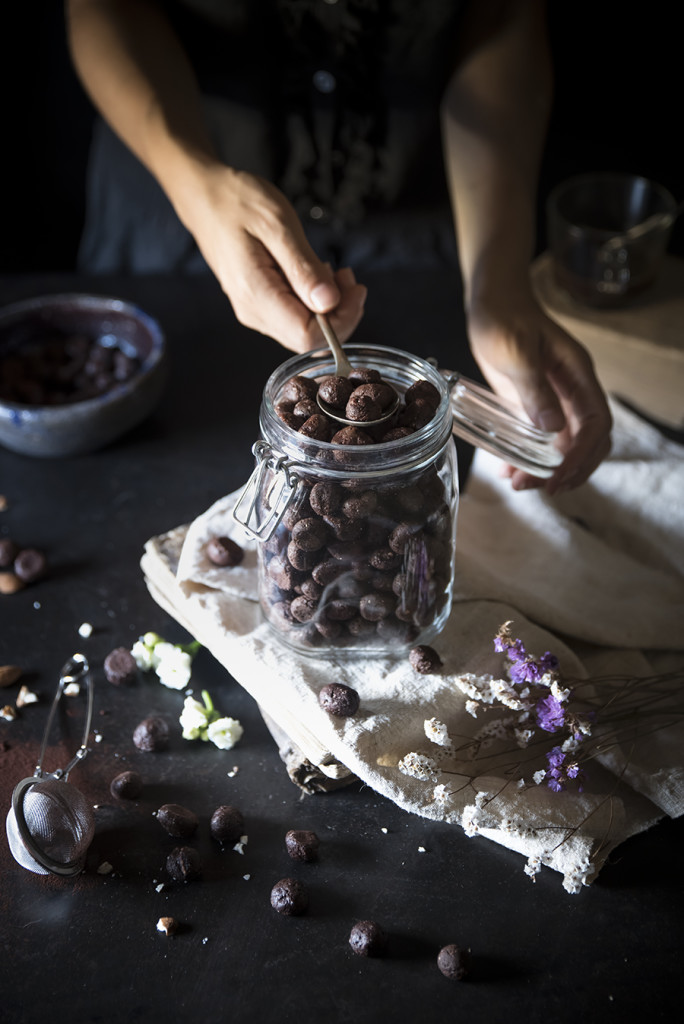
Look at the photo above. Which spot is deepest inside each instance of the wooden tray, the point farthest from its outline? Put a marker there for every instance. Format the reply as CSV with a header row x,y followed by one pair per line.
x,y
638,350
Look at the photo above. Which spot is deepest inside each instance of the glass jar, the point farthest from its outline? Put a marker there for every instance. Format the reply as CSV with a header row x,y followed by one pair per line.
x,y
357,542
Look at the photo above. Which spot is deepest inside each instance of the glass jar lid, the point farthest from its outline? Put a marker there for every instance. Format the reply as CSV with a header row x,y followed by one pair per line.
x,y
485,420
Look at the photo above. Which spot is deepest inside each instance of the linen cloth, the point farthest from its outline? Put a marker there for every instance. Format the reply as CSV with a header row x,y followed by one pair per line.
x,y
595,576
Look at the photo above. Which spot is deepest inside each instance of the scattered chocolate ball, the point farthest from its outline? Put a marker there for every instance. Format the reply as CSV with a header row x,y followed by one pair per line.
x,y
227,824
224,552
120,667
302,844
126,785
288,896
152,734
425,659
367,938
178,821
453,962
30,565
339,699
184,864
8,552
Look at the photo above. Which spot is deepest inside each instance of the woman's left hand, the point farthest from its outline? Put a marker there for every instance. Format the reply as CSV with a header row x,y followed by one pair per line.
x,y
529,359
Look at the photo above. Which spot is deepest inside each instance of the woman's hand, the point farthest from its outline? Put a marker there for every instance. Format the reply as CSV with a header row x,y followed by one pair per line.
x,y
254,243
529,359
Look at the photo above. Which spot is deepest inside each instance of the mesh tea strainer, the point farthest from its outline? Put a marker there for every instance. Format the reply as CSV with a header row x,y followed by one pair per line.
x,y
50,824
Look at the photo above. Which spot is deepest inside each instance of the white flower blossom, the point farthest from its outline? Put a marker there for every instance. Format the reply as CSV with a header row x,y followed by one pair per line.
x,y
523,736
440,793
224,732
419,766
477,687
495,729
539,776
193,719
470,820
437,732
561,693
574,879
507,695
582,724
472,707
142,655
174,666
533,866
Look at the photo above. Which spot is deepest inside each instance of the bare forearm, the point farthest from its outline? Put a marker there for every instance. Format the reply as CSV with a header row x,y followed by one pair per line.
x,y
494,119
137,75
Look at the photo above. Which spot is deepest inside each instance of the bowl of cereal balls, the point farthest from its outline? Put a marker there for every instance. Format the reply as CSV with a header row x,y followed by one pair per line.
x,y
76,372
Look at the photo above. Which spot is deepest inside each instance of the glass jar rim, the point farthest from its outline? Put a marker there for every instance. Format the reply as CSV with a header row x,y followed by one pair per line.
x,y
335,459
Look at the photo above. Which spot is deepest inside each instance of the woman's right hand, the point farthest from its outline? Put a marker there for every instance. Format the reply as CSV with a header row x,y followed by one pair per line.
x,y
253,241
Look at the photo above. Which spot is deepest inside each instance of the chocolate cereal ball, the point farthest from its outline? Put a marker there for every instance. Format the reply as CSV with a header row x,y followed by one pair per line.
x,y
339,699
178,821
120,667
368,938
453,962
30,565
224,552
424,659
126,785
152,734
302,844
298,388
227,824
335,391
289,897
184,864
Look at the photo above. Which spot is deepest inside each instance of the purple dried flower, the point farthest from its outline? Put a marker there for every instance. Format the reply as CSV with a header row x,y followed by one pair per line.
x,y
550,714
548,663
559,772
555,757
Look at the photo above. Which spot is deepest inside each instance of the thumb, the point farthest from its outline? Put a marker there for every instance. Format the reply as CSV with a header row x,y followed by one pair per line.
x,y
312,281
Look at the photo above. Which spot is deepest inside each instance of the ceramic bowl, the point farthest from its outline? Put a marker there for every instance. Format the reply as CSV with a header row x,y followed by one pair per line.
x,y
42,420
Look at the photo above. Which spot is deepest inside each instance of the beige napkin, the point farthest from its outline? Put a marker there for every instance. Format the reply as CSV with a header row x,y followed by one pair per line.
x,y
593,565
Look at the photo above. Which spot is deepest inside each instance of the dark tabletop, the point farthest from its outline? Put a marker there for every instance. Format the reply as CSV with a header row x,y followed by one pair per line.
x,y
87,949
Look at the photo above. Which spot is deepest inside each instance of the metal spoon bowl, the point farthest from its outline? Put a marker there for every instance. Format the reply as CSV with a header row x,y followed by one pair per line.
x,y
342,369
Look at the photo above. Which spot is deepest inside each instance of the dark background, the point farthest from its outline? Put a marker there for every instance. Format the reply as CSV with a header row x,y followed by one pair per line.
x,y
618,93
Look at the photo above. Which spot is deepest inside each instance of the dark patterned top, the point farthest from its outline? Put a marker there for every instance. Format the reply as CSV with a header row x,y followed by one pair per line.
x,y
347,92
335,101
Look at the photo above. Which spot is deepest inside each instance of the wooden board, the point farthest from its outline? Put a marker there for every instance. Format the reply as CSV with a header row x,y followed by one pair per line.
x,y
638,350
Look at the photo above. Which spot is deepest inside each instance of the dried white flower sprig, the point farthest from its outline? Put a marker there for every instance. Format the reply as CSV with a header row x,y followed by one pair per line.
x,y
550,732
